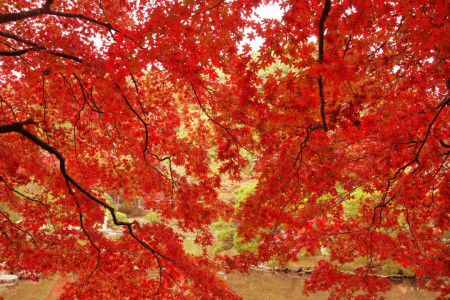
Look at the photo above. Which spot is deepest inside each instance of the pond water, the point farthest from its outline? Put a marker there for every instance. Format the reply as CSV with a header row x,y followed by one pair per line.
x,y
257,285
260,285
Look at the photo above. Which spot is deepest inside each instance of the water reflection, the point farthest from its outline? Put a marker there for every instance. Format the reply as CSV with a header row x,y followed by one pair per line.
x,y
259,285
29,290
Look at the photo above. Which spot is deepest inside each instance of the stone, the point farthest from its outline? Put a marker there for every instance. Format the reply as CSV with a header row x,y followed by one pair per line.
x,y
8,279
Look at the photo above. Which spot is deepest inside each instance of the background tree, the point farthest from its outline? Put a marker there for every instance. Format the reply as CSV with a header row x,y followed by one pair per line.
x,y
120,96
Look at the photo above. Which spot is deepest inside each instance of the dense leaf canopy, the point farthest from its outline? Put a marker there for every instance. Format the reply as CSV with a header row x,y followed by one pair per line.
x,y
346,102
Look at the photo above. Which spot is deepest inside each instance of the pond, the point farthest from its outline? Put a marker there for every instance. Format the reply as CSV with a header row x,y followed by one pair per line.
x,y
260,285
257,285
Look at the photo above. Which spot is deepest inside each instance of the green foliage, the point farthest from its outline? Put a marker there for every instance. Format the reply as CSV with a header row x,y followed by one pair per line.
x,y
224,236
131,210
240,246
227,236
12,215
446,235
244,191
109,200
121,217
220,225
389,267
222,247
353,203
153,217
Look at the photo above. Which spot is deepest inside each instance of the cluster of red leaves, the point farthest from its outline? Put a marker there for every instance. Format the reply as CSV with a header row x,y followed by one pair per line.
x,y
101,96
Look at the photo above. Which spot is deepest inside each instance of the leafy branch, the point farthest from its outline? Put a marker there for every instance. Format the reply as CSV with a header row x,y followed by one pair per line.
x,y
18,127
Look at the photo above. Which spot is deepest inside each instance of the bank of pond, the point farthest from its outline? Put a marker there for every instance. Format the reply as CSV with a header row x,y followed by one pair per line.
x,y
256,285
265,282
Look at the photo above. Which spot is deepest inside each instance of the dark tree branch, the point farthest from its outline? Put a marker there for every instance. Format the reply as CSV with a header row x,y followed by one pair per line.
x,y
444,102
80,216
46,10
47,4
32,237
16,52
86,96
347,45
443,144
383,203
209,8
67,56
384,43
18,127
6,235
18,38
238,144
46,206
323,17
12,17
35,47
23,195
322,104
80,16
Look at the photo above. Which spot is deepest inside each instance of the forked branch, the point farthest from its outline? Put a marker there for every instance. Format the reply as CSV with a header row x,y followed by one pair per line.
x,y
18,127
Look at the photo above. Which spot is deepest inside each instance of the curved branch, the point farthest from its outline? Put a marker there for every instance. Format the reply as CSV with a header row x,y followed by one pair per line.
x,y
5,18
383,203
238,144
18,38
16,52
18,128
12,17
80,16
46,10
35,47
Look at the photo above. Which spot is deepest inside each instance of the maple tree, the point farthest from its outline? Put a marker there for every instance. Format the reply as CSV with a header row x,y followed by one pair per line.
x,y
344,102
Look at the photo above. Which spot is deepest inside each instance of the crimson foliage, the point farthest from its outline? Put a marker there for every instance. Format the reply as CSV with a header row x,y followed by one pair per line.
x,y
345,103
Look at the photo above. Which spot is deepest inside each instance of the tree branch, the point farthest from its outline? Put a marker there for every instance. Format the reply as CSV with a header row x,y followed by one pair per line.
x,y
323,17
18,128
16,52
18,38
46,10
35,47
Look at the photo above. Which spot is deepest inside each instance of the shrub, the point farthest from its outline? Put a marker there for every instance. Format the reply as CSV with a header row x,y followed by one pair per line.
x,y
240,246
127,208
243,192
121,217
224,236
227,236
131,210
220,225
153,217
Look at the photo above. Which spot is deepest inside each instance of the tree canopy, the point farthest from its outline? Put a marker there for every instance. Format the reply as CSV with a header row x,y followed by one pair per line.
x,y
346,102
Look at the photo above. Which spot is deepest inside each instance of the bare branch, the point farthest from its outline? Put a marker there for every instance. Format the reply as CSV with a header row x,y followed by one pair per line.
x,y
16,52
323,17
